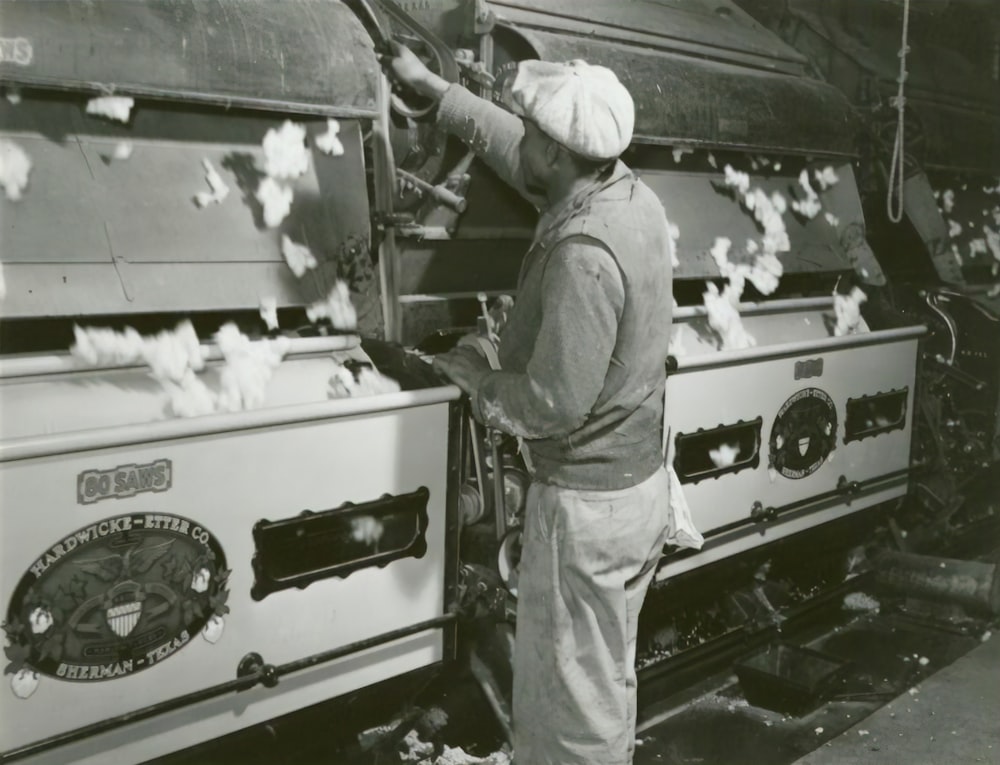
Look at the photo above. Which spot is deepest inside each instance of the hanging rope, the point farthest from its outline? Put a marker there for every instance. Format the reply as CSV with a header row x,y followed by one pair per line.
x,y
898,149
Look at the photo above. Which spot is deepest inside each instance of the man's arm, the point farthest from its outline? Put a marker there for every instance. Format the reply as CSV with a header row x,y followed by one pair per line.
x,y
490,131
583,298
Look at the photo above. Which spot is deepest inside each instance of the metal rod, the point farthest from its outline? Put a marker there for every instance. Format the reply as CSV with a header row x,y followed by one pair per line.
x,y
797,348
856,488
147,432
441,193
239,684
750,309
61,363
284,106
362,645
457,444
442,297
488,685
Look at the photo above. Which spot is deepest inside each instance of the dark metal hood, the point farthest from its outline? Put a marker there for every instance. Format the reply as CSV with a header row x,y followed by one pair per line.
x,y
701,74
952,98
98,235
295,55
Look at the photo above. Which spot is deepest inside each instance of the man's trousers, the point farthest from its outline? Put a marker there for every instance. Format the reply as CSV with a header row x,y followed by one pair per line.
x,y
587,559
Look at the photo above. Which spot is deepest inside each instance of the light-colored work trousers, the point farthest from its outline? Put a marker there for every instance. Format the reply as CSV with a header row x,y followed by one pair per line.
x,y
587,560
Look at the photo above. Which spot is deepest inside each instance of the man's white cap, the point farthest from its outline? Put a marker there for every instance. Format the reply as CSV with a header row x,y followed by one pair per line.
x,y
583,107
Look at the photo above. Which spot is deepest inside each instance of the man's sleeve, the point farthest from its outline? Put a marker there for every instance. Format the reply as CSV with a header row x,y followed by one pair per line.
x,y
583,298
490,131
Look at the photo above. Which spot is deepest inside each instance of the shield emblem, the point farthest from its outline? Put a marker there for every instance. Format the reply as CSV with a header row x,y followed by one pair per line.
x,y
123,607
803,445
123,617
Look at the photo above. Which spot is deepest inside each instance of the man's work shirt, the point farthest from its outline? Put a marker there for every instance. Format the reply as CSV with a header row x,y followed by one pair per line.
x,y
584,349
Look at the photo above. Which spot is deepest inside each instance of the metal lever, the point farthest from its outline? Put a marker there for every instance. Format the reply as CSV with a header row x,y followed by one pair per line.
x,y
957,374
441,193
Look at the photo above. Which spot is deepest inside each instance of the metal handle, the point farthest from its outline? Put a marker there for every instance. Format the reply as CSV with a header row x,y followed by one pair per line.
x,y
381,14
761,514
850,488
440,192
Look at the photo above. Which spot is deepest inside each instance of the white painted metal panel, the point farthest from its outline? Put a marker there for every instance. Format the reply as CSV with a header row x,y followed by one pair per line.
x,y
227,472
717,388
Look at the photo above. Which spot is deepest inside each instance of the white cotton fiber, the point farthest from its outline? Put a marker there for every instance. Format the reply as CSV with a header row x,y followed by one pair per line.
x,y
111,107
673,234
725,455
992,241
269,311
767,211
725,319
766,273
298,257
106,347
276,201
826,177
248,369
720,253
219,189
810,206
847,309
190,397
329,142
175,356
171,354
15,167
736,179
285,152
123,150
337,308
368,530
369,382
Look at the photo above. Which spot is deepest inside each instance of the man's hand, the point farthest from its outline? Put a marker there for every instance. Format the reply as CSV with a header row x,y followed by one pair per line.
x,y
499,312
404,68
465,367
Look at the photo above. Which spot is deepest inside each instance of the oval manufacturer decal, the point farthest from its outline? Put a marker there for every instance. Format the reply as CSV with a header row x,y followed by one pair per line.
x,y
115,597
804,433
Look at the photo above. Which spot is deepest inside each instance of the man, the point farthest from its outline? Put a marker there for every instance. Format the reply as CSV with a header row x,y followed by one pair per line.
x,y
582,379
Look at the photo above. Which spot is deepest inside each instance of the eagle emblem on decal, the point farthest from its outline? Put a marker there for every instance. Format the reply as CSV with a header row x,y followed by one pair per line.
x,y
123,603
804,432
113,598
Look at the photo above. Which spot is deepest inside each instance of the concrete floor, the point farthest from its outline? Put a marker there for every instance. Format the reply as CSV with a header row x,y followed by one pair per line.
x,y
907,684
952,717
